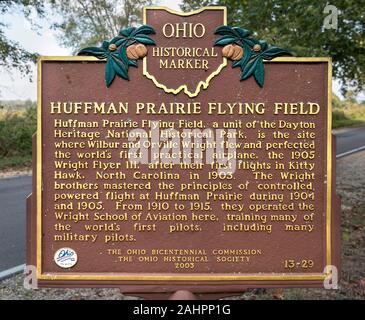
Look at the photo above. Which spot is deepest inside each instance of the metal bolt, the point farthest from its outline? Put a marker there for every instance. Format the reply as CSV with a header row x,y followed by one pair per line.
x,y
112,47
256,48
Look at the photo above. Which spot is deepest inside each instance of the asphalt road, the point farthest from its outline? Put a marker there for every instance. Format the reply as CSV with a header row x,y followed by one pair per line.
x,y
349,139
14,191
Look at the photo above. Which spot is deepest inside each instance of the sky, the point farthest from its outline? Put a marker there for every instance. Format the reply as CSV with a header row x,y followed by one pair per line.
x,y
13,86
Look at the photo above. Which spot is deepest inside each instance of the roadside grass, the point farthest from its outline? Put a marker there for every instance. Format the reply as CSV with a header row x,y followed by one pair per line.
x,y
15,162
17,126
347,113
341,123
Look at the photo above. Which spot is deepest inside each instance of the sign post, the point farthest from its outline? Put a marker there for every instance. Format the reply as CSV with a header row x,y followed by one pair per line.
x,y
184,154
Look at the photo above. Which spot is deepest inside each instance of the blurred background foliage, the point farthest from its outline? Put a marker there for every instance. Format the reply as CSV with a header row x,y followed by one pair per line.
x,y
17,125
298,25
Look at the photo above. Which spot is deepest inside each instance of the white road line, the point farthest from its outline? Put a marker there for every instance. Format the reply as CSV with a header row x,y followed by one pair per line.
x,y
349,152
12,271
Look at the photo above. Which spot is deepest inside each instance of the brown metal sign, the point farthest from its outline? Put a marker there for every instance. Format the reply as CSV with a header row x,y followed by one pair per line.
x,y
184,177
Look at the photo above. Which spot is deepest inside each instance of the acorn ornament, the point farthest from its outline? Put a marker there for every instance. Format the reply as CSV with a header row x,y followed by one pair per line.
x,y
136,51
232,51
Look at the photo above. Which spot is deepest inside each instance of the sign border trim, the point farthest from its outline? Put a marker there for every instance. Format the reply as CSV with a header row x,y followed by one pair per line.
x,y
186,277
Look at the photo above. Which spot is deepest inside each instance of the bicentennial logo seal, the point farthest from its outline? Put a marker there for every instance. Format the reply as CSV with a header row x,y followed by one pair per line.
x,y
65,258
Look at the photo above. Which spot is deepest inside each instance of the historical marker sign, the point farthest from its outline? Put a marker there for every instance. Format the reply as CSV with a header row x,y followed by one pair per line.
x,y
184,176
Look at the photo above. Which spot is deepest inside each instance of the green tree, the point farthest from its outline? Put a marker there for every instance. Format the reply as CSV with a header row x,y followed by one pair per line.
x,y
337,103
87,23
12,54
298,25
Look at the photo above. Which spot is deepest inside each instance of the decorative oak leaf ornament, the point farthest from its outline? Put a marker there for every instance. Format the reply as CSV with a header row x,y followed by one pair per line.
x,y
122,51
247,52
